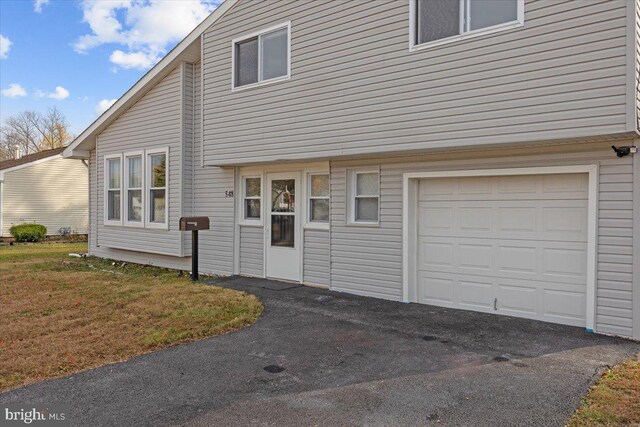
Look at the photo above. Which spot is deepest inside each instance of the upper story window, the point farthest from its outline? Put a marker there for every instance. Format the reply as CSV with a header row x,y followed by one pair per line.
x,y
262,57
439,21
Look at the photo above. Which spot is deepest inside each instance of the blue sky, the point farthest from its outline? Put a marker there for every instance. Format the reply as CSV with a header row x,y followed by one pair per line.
x,y
81,55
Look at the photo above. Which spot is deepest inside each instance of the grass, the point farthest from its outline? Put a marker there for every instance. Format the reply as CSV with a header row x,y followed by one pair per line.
x,y
61,315
614,400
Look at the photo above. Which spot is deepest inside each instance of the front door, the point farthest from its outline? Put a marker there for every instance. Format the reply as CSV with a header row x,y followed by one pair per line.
x,y
283,226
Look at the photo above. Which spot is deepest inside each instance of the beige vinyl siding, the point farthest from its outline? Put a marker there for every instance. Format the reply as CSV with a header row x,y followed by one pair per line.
x,y
155,121
53,193
251,250
356,89
637,63
203,193
615,246
316,266
188,147
117,254
368,260
216,246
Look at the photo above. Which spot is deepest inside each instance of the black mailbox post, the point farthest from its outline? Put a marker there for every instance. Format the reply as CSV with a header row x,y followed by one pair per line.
x,y
193,224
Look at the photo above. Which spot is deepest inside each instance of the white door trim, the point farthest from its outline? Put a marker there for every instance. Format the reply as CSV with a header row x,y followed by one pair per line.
x,y
409,195
298,233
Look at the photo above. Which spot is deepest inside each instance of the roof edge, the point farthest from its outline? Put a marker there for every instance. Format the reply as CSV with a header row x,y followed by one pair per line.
x,y
75,151
29,164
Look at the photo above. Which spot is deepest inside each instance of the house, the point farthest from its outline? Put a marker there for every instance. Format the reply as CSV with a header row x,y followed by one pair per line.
x,y
44,188
358,146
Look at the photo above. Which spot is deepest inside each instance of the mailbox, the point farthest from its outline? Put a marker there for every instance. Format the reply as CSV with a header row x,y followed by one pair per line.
x,y
194,223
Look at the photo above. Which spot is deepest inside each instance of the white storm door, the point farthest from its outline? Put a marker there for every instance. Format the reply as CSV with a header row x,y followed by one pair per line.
x,y
283,226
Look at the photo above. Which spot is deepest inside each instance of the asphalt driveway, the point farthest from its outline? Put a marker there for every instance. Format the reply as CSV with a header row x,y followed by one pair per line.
x,y
322,358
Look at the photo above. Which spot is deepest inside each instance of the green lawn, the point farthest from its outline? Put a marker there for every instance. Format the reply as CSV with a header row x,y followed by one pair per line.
x,y
61,314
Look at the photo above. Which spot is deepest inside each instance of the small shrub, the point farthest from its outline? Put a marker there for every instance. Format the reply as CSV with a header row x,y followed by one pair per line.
x,y
28,232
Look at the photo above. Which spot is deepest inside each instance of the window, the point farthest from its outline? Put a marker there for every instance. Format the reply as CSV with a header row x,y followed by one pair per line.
x,y
442,20
252,193
134,185
113,203
261,57
157,189
365,190
319,198
136,189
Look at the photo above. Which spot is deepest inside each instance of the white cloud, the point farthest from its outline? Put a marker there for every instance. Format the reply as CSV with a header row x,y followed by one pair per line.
x,y
38,4
145,28
104,105
59,93
14,90
138,60
5,44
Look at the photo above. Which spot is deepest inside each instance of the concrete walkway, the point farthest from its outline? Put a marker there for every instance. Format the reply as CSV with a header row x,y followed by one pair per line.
x,y
323,358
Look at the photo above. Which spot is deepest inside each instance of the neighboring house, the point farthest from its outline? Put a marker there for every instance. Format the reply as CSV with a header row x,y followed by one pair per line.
x,y
358,146
44,188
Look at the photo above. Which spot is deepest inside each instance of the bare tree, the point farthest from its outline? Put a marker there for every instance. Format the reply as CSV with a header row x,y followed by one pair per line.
x,y
29,132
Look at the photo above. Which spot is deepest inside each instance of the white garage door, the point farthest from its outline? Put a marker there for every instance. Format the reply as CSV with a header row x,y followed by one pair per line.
x,y
513,245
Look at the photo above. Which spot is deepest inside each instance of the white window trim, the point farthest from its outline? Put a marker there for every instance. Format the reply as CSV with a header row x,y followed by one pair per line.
x,y
108,221
351,211
148,224
414,46
243,193
260,82
126,188
308,223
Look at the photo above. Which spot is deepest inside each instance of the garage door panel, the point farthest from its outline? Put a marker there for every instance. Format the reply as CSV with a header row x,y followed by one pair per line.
x,y
521,187
440,219
514,219
437,254
564,220
565,305
436,290
565,262
527,260
475,256
473,219
517,298
473,293
517,185
516,259
573,185
476,187
517,242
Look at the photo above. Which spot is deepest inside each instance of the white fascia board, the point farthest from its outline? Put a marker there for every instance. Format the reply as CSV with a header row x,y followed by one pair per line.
x,y
84,142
